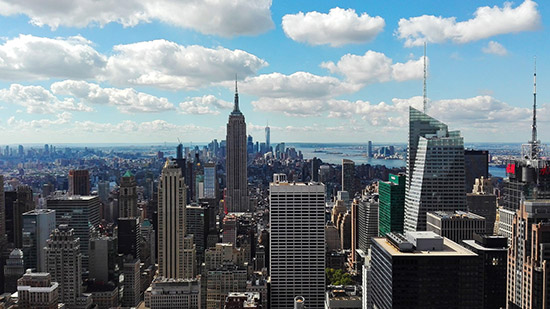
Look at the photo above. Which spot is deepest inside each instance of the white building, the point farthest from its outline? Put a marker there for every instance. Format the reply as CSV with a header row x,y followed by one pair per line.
x,y
297,243
174,293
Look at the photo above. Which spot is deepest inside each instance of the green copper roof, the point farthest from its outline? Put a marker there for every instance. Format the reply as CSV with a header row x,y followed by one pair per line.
x,y
128,174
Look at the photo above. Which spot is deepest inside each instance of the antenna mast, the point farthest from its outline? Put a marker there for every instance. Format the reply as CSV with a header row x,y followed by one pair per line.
x,y
425,92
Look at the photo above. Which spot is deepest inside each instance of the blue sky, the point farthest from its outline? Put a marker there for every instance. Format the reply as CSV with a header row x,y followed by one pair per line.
x,y
317,71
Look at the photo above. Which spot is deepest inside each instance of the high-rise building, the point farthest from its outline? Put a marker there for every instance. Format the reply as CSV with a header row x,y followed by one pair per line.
x,y
127,199
23,204
167,293
103,259
172,251
148,252
37,291
236,198
476,165
315,164
210,181
103,190
348,176
38,224
423,270
64,263
197,224
482,201
367,220
457,225
528,286
132,285
435,170
230,229
267,138
297,242
369,149
223,280
2,213
492,252
243,301
80,213
129,237
392,204
79,182
13,270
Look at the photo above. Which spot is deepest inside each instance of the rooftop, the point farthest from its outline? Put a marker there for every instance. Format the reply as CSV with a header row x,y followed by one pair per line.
x,y
456,215
450,248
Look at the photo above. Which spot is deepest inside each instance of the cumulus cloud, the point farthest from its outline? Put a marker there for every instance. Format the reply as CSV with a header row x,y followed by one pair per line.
x,y
487,22
169,65
38,100
22,125
219,17
126,100
375,67
31,57
154,128
296,85
495,48
337,28
207,104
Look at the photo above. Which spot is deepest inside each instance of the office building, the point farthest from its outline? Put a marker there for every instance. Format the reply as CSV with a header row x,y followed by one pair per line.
x,y
173,244
223,280
64,264
229,228
79,182
423,270
103,190
315,165
38,224
435,176
267,138
297,242
2,213
80,213
348,297
391,204
23,204
129,237
197,224
13,270
37,291
457,225
476,165
132,284
236,198
367,220
103,260
148,252
528,286
492,252
259,284
482,201
104,294
127,199
210,181
166,293
348,177
369,149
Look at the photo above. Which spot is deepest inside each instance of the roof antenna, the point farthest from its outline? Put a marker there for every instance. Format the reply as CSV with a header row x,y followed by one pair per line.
x,y
425,92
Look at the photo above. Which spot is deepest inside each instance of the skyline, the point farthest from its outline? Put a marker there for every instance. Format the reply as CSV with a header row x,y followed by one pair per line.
x,y
142,74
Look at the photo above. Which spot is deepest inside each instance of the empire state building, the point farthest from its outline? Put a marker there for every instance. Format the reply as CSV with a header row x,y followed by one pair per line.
x,y
236,197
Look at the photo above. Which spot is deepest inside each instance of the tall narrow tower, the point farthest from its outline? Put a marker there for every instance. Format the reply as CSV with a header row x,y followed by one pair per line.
x,y
237,186
267,137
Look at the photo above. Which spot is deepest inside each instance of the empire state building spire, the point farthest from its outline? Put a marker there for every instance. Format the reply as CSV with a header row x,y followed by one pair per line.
x,y
236,104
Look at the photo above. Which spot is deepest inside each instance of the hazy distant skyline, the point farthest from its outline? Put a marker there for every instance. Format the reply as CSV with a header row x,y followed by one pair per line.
x,y
317,71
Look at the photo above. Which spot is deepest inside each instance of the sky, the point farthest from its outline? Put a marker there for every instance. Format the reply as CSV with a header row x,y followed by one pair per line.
x,y
135,71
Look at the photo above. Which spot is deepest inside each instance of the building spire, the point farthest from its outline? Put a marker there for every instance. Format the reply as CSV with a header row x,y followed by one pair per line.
x,y
425,92
534,126
236,107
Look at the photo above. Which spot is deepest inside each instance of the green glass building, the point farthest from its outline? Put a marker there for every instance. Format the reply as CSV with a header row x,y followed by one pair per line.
x,y
392,204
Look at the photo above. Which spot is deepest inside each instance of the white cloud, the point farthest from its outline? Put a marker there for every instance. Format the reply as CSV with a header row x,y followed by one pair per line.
x,y
337,28
31,57
126,100
207,104
296,85
37,100
375,67
37,124
219,17
487,22
169,65
128,128
290,106
495,48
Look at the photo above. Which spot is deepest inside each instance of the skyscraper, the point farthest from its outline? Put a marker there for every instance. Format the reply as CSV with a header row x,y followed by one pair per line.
x,y
172,251
236,198
127,200
267,138
23,204
2,213
369,149
297,242
392,204
129,237
36,290
38,224
348,177
13,270
210,181
435,170
79,182
476,165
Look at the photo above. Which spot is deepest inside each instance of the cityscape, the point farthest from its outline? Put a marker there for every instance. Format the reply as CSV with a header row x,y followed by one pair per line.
x,y
274,185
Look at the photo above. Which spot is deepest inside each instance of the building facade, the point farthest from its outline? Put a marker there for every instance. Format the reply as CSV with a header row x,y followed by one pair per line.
x,y
457,225
392,204
38,224
127,199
